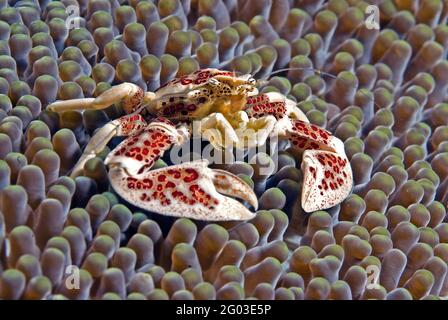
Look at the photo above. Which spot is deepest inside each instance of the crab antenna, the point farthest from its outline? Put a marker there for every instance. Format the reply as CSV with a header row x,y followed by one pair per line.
x,y
267,78
317,71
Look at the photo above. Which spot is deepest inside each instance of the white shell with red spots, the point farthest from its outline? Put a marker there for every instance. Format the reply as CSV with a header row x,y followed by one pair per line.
x,y
327,179
133,99
192,82
188,190
276,104
327,175
137,153
195,191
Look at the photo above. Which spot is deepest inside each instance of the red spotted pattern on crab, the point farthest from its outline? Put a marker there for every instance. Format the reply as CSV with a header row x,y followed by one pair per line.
x,y
182,108
309,136
130,124
260,106
198,77
162,187
133,100
228,105
147,146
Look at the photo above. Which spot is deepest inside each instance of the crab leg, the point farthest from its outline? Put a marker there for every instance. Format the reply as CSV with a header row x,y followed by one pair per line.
x,y
123,126
130,95
186,190
273,103
138,152
327,173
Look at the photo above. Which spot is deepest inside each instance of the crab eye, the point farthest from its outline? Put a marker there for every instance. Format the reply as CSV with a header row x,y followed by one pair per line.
x,y
213,82
252,81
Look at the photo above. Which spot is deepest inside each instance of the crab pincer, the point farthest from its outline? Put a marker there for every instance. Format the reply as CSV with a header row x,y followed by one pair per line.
x,y
186,190
327,173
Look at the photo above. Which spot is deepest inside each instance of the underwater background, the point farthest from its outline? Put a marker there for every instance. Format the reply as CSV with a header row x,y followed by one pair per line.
x,y
382,91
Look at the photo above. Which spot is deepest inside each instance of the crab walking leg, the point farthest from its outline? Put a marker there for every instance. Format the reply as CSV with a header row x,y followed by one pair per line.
x,y
130,95
123,126
186,190
327,175
72,104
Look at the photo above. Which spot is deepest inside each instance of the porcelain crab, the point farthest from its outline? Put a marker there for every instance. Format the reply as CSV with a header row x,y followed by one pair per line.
x,y
231,113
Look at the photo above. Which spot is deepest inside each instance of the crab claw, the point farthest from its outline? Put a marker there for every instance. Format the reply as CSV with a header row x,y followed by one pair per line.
x,y
327,173
327,179
229,184
189,190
